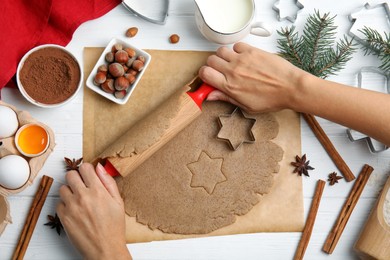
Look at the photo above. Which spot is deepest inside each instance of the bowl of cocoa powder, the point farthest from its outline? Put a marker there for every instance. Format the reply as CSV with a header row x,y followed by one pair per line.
x,y
49,76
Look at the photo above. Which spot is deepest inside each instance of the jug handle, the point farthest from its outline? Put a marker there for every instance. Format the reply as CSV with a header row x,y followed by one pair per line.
x,y
261,29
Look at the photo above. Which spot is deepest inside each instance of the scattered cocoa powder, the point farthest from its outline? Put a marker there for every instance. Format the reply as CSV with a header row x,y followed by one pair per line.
x,y
50,75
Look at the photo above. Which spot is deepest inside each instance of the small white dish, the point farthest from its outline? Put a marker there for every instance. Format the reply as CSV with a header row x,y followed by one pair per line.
x,y
90,84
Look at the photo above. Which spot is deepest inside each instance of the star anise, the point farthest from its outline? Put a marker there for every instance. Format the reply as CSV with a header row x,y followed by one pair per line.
x,y
301,165
333,178
55,222
73,164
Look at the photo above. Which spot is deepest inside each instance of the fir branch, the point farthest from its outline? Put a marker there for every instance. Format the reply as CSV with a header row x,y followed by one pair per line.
x,y
288,43
377,45
313,51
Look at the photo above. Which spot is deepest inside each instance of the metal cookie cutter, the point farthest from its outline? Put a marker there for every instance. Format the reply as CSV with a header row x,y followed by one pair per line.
x,y
287,9
229,137
375,17
367,78
155,11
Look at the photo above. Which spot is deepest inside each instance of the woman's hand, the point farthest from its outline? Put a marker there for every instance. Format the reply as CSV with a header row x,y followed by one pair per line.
x,y
252,79
92,213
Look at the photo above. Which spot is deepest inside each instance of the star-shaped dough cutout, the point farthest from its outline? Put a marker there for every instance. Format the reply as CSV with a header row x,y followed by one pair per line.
x,y
206,172
236,128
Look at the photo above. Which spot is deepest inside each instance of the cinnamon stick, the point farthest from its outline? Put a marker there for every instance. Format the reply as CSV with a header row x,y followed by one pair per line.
x,y
349,205
306,234
32,217
329,147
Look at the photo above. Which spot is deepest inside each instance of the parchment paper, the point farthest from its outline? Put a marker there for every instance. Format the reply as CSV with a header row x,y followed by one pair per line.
x,y
279,211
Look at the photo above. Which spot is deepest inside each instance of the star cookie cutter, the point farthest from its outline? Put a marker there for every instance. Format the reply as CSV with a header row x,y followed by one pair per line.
x,y
284,6
230,140
382,12
374,145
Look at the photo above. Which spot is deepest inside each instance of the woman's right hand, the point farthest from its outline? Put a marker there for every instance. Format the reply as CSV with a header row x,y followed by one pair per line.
x,y
252,79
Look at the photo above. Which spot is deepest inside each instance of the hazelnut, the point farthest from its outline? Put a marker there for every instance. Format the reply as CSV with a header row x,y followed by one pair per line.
x,y
108,86
174,38
138,65
141,58
120,94
109,57
121,56
117,47
100,77
130,77
121,83
132,72
131,52
125,68
116,69
130,62
103,68
131,32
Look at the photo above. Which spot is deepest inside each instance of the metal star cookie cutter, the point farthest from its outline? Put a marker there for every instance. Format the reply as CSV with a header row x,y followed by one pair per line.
x,y
382,12
155,11
292,16
229,141
374,145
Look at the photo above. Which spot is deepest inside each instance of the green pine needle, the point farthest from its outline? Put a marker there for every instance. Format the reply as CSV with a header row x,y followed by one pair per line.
x,y
314,51
377,45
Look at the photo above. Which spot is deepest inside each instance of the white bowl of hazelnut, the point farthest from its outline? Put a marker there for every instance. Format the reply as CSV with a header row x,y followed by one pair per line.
x,y
118,71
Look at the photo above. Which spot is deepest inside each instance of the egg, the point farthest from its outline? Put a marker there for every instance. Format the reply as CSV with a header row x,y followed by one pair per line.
x,y
14,171
8,122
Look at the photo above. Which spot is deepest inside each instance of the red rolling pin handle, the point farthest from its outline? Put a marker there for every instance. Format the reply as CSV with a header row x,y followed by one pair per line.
x,y
110,169
198,96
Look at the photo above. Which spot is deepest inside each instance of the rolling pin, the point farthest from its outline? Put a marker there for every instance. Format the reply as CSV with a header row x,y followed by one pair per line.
x,y
374,239
171,117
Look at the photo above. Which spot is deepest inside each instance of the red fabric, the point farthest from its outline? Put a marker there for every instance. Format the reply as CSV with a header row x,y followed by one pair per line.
x,y
25,24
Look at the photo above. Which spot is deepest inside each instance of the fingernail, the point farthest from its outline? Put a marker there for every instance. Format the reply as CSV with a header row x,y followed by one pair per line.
x,y
100,169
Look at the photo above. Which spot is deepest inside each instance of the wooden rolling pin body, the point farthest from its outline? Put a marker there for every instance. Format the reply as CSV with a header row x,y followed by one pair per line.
x,y
168,119
374,239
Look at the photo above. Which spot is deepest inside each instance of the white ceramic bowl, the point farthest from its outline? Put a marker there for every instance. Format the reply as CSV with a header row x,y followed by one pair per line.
x,y
90,84
26,95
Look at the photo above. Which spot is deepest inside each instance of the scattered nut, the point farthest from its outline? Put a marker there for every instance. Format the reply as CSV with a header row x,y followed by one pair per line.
x,y
116,69
131,32
174,38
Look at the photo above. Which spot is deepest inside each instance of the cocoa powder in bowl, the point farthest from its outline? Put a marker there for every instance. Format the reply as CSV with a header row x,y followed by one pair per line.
x,y
49,75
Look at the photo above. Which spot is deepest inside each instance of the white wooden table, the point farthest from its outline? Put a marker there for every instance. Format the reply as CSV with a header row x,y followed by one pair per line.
x,y
67,125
